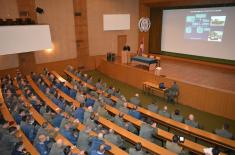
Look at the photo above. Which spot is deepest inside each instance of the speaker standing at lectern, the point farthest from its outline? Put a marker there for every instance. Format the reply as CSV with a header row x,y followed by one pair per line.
x,y
125,51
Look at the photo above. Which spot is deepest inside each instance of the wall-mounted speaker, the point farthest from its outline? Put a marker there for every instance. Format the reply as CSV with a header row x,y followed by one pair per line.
x,y
39,10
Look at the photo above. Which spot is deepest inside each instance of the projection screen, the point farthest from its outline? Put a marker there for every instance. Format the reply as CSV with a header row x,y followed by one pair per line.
x,y
207,32
20,39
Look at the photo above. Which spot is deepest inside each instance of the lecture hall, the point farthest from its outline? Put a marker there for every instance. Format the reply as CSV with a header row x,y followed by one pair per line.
x,y
117,77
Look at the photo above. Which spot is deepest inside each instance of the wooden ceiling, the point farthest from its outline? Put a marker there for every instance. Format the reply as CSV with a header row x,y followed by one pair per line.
x,y
185,3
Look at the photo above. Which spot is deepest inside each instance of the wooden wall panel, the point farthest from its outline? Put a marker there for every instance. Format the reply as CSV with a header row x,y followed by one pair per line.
x,y
144,11
81,28
214,101
27,61
155,30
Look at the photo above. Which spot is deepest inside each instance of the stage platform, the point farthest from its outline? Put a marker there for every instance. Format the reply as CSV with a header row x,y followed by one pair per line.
x,y
209,88
215,77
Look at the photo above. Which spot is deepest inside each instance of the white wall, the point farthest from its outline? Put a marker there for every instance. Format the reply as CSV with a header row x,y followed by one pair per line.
x,y
8,9
100,41
60,16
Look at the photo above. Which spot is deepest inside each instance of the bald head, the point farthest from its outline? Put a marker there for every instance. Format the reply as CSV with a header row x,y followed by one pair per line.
x,y
111,131
191,117
165,108
59,142
100,135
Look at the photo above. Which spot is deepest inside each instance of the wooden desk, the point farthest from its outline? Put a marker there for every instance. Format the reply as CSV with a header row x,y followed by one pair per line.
x,y
153,89
198,133
124,133
7,115
114,149
194,147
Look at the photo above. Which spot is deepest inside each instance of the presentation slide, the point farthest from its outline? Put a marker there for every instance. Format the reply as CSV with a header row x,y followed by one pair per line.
x,y
207,32
205,25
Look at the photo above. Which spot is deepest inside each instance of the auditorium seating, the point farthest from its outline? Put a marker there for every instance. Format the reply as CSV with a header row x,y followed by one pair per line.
x,y
194,132
128,135
7,116
38,117
163,135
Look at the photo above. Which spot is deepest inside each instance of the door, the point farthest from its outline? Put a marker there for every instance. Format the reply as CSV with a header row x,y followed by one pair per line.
x,y
121,41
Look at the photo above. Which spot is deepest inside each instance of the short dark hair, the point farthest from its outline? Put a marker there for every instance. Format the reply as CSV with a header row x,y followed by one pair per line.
x,y
67,150
175,139
138,146
18,145
177,112
226,126
12,129
215,151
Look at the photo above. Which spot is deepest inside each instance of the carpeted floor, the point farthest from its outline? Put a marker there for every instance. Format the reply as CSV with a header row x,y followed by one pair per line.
x,y
208,121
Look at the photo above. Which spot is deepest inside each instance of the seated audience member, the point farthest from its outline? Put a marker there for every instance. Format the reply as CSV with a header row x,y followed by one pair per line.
x,y
91,121
83,139
64,88
90,80
148,131
100,151
80,97
87,113
18,149
191,122
68,151
96,142
109,100
45,71
114,138
56,121
211,151
67,132
118,119
172,92
137,150
135,100
133,112
48,132
103,112
124,109
88,101
73,92
79,74
42,145
57,148
153,107
173,146
119,103
79,113
110,90
70,68
99,85
18,116
176,116
29,129
9,139
130,127
224,132
117,93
